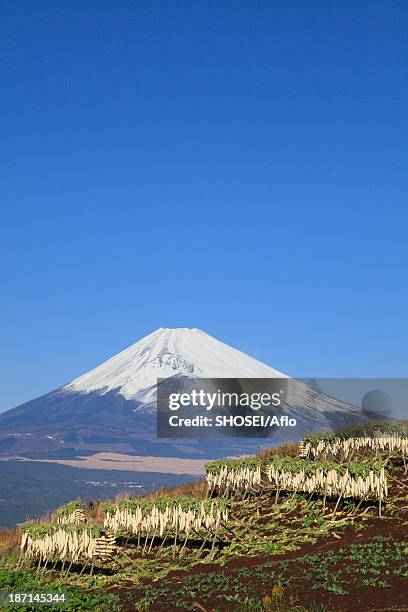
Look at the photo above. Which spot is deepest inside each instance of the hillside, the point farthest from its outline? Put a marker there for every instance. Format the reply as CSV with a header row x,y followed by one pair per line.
x,y
276,547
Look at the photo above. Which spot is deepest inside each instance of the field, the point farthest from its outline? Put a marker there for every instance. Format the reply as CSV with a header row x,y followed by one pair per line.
x,y
322,526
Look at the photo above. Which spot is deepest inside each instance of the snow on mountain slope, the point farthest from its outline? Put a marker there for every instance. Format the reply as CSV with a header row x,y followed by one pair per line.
x,y
116,403
164,353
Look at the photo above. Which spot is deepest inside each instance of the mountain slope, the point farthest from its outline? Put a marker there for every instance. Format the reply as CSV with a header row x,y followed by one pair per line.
x,y
164,353
113,407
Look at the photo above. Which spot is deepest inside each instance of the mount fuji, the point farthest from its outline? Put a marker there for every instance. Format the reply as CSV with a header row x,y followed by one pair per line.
x,y
113,407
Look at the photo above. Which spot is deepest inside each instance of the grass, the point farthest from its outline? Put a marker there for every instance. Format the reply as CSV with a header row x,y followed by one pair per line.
x,y
9,541
22,581
287,450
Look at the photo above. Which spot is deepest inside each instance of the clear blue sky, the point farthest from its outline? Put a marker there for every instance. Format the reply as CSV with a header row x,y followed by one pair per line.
x,y
235,166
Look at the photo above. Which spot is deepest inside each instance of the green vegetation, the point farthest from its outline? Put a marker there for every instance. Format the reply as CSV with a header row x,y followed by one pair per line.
x,y
251,463
387,439
274,533
185,502
68,508
78,600
309,468
365,565
370,429
38,531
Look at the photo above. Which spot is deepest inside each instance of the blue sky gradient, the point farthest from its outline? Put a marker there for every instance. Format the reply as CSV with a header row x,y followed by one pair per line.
x,y
240,167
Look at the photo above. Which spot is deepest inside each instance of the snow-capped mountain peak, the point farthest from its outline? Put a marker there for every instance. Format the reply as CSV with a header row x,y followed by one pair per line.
x,y
164,353
114,405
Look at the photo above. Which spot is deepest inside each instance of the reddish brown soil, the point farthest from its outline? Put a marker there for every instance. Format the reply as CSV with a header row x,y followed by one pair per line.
x,y
299,593
360,598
